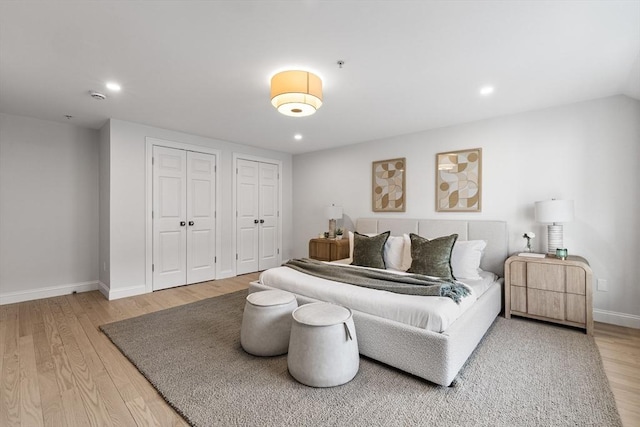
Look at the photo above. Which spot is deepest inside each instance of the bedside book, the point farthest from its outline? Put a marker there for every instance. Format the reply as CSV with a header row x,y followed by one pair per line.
x,y
532,255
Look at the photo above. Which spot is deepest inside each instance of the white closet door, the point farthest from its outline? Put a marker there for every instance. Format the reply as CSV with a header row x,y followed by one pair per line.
x,y
247,238
201,221
268,216
169,217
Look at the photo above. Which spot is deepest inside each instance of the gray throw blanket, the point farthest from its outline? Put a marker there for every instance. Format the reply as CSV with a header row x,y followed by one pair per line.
x,y
415,284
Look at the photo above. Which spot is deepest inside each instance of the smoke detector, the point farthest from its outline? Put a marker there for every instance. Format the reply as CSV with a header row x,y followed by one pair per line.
x,y
97,95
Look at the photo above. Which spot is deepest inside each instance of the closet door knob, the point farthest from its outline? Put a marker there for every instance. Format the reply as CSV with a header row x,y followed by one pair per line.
x,y
262,221
182,223
190,222
255,221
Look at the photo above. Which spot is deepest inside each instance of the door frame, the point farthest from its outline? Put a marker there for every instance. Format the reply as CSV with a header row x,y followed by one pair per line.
x,y
149,143
241,156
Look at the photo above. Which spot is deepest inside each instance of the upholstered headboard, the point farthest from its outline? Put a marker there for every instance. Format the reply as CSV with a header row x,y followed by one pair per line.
x,y
494,232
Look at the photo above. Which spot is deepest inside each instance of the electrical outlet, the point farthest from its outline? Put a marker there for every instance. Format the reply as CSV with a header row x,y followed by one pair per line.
x,y
603,285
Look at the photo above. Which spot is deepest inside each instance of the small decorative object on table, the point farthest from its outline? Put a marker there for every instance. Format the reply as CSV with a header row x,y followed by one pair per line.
x,y
529,235
528,251
561,253
339,233
326,234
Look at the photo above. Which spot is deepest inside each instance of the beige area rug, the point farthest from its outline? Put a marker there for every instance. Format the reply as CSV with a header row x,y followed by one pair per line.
x,y
523,373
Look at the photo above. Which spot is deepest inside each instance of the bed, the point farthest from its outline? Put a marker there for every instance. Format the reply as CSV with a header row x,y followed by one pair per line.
x,y
433,349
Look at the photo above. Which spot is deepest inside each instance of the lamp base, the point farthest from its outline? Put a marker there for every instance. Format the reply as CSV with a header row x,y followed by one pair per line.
x,y
554,238
332,228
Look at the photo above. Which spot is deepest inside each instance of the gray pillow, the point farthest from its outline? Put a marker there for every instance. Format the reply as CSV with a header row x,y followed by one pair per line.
x,y
432,257
368,251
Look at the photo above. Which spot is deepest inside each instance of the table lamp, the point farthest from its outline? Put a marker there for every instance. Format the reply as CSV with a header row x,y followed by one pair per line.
x,y
554,212
332,213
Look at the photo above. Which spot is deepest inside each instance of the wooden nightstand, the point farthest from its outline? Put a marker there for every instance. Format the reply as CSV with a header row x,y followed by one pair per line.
x,y
549,289
328,249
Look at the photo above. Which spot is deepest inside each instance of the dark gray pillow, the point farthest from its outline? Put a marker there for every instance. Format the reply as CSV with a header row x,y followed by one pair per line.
x,y
432,257
368,251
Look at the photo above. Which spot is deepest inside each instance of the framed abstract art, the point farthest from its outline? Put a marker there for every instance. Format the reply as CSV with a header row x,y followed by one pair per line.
x,y
459,181
388,178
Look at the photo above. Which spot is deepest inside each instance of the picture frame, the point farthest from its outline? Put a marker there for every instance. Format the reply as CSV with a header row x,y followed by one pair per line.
x,y
459,181
388,193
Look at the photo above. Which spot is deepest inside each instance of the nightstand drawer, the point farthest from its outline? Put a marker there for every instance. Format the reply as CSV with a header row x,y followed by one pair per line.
x,y
576,280
519,299
576,311
518,275
546,303
545,277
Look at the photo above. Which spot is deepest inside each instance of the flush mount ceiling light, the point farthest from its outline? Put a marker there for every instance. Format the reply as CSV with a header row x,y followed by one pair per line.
x,y
97,95
296,93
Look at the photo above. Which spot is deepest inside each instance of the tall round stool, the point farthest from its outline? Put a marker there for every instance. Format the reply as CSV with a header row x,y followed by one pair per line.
x,y
266,322
323,349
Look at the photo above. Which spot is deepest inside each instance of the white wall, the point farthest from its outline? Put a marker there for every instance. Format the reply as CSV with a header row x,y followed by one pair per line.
x,y
588,152
104,206
127,200
48,208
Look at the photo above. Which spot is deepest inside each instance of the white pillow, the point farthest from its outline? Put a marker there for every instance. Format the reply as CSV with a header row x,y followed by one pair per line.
x,y
465,258
351,245
393,252
406,255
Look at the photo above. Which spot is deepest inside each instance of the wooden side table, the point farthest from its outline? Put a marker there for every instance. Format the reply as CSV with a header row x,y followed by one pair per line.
x,y
550,289
328,249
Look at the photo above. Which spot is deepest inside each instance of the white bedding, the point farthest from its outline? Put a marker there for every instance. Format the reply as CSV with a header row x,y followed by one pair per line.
x,y
431,313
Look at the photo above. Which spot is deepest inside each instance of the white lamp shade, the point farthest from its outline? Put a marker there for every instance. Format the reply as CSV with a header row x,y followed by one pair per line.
x,y
296,93
333,212
551,211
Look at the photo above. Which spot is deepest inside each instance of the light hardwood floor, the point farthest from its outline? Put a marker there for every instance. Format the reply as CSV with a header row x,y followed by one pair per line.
x,y
57,368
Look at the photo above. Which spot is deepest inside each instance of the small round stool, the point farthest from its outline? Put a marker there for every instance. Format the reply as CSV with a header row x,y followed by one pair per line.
x,y
323,349
266,322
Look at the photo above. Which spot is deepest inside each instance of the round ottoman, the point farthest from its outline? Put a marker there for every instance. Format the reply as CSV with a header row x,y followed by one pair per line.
x,y
266,322
323,349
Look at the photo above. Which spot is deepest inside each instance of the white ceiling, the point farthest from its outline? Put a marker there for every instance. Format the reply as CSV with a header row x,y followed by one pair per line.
x,y
203,67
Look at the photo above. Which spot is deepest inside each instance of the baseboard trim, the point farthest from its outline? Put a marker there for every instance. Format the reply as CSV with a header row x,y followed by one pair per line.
x,y
126,292
47,292
104,289
615,318
225,274
108,292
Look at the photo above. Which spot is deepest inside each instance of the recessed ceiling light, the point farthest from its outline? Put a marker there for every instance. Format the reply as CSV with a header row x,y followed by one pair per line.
x,y
486,90
113,86
297,137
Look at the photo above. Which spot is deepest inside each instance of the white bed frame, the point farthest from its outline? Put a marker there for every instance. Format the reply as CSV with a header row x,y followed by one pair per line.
x,y
436,357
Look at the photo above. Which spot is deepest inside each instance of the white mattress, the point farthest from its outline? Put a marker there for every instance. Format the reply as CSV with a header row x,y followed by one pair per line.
x,y
432,313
